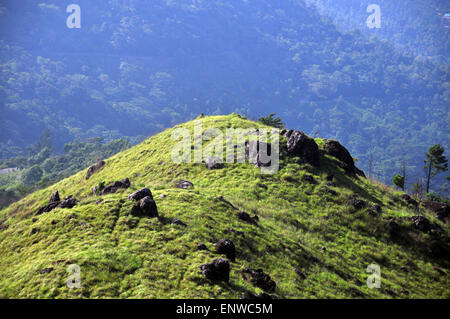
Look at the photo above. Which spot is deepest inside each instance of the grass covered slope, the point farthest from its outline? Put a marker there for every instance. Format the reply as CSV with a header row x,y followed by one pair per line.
x,y
310,237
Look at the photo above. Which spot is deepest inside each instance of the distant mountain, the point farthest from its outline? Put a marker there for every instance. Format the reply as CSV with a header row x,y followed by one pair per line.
x,y
135,68
418,27
140,225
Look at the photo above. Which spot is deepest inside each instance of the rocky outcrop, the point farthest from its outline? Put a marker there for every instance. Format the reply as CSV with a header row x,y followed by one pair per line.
x,y
301,145
217,270
55,202
146,207
95,168
55,197
335,149
125,183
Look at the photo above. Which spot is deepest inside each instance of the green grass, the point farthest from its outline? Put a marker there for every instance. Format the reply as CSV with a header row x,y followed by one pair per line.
x,y
122,256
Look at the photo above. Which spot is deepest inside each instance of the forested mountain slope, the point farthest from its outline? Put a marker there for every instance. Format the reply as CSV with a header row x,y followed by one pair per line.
x,y
419,27
308,231
135,68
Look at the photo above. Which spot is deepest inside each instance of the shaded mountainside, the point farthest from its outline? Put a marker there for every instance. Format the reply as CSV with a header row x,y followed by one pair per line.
x,y
309,230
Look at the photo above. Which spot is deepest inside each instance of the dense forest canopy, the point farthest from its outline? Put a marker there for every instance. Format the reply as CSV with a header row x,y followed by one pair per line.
x,y
135,67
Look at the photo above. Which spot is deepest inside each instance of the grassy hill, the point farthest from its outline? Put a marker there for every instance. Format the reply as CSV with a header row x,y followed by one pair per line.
x,y
315,237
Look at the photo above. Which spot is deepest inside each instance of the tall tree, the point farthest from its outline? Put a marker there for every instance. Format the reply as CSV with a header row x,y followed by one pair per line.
x,y
434,163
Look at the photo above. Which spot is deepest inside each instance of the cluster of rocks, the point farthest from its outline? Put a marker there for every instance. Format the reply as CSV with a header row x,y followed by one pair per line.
x,y
125,183
56,202
146,204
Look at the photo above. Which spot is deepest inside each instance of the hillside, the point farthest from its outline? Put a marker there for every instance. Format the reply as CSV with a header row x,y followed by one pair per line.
x,y
314,228
159,63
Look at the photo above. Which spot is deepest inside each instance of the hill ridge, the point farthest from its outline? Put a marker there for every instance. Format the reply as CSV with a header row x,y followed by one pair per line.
x,y
306,231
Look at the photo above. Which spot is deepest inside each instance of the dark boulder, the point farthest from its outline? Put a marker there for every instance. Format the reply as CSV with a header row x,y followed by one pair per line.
x,y
244,216
184,184
213,162
359,172
334,148
226,247
301,145
140,194
261,279
55,197
217,270
422,223
68,203
95,168
125,183
148,207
